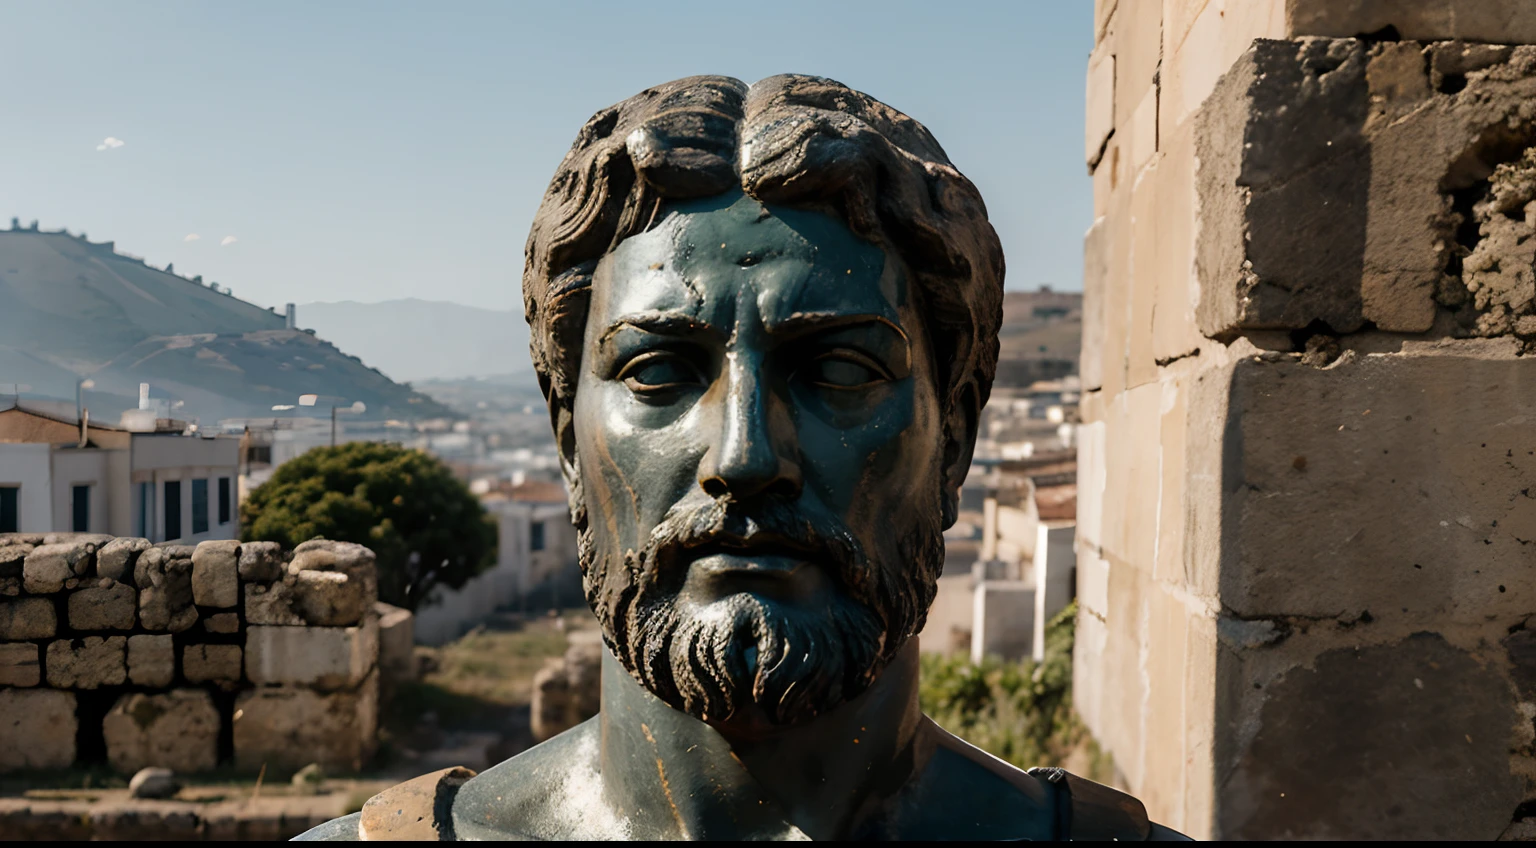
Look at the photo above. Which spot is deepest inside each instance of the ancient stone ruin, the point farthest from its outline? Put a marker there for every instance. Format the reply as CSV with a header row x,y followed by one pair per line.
x,y
119,651
1307,487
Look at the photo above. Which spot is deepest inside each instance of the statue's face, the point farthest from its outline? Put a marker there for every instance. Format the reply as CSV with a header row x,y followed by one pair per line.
x,y
759,443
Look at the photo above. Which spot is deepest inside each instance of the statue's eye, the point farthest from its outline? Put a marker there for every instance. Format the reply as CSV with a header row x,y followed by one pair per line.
x,y
841,371
659,371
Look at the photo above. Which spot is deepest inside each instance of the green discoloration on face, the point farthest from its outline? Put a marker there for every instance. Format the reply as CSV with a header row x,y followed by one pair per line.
x,y
739,351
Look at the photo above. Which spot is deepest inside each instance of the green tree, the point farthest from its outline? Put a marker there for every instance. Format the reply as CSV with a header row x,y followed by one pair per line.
x,y
424,526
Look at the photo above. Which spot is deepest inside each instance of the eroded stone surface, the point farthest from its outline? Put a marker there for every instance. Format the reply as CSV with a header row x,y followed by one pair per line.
x,y
116,558
290,727
1320,449
271,605
261,562
224,622
178,730
109,605
49,567
87,663
327,657
151,660
164,578
330,598
46,720
19,664
1403,741
211,663
1329,176
27,618
12,557
215,574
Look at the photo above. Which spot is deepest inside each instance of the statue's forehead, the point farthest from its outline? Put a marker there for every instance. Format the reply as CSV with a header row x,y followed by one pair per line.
x,y
705,255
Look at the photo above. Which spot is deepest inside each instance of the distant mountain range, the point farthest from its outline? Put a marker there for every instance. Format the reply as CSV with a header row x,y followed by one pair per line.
x,y
415,339
72,309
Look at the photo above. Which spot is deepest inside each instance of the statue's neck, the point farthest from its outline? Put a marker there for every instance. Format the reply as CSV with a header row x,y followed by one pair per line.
x,y
673,776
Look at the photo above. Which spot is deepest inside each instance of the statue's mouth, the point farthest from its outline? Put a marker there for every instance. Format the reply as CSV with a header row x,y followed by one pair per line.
x,y
774,571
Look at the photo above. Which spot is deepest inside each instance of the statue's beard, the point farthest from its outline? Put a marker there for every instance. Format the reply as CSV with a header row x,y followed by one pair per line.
x,y
791,661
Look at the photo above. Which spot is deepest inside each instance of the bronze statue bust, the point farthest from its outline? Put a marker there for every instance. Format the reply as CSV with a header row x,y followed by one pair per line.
x,y
765,319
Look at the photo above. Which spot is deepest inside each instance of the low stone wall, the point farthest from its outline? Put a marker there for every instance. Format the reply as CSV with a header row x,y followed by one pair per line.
x,y
119,651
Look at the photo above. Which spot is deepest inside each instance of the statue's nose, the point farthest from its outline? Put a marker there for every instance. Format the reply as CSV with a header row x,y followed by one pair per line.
x,y
755,450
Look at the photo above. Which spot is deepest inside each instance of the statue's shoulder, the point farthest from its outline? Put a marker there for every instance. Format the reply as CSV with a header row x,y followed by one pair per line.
x,y
996,800
526,797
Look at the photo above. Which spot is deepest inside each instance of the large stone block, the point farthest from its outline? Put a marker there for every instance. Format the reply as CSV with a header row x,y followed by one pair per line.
x,y
331,598
271,604
1496,21
19,664
27,618
1138,44
211,663
1337,177
261,562
224,622
1095,282
1101,104
178,730
1403,485
110,605
397,646
334,583
87,663
215,573
116,558
164,578
1201,40
151,660
45,720
1414,737
48,568
288,727
12,557
327,657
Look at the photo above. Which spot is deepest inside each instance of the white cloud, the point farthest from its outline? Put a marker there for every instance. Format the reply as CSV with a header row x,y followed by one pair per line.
x,y
228,240
110,143
192,237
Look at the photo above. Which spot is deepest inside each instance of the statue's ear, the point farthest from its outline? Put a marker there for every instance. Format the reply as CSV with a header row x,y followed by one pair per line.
x,y
960,426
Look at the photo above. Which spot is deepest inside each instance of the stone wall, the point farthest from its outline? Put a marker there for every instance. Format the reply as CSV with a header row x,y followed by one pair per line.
x,y
118,651
1307,469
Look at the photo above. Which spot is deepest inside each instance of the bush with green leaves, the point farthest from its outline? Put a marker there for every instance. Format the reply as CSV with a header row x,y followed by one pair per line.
x,y
1020,712
424,526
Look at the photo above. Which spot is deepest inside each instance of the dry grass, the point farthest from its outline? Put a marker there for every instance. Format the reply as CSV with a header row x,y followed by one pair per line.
x,y
479,681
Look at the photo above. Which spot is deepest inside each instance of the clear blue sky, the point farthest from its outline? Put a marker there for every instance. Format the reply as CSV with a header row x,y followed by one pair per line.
x,y
378,150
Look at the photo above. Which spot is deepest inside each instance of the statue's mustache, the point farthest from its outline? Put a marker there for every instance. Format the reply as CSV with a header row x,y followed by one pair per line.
x,y
765,526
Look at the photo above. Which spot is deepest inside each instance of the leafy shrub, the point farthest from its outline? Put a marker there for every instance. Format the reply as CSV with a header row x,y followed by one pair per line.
x,y
1020,712
422,523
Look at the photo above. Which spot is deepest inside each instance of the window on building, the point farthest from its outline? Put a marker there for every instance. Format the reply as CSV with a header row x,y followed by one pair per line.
x,y
9,521
172,510
259,454
223,500
80,509
199,506
536,536
146,509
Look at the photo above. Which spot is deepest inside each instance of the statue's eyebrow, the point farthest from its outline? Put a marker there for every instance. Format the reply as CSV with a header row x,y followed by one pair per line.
x,y
803,323
661,323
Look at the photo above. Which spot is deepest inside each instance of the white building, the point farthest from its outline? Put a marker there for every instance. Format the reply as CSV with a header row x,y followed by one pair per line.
x,y
536,566
158,481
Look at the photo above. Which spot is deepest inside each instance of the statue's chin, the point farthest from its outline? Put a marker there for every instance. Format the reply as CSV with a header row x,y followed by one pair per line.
x,y
749,662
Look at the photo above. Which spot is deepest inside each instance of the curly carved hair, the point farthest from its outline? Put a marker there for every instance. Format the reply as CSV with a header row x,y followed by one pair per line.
x,y
790,139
